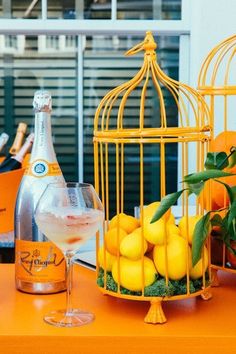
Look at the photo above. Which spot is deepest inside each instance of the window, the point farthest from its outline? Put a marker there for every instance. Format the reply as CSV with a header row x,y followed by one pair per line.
x,y
79,64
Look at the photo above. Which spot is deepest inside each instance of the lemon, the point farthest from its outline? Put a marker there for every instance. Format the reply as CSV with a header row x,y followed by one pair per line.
x,y
113,239
132,272
150,209
187,232
171,219
107,261
176,259
154,233
197,271
133,246
172,229
125,222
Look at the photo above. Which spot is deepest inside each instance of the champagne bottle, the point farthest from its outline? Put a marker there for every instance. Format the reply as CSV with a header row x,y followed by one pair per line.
x,y
3,140
15,161
39,265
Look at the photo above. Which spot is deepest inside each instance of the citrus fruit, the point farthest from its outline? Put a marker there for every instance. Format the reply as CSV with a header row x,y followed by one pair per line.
x,y
131,273
113,239
171,219
220,197
107,261
223,142
154,233
176,259
133,246
200,268
125,222
187,232
150,209
172,229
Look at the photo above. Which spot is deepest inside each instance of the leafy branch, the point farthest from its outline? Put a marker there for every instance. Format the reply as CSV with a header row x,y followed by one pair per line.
x,y
195,182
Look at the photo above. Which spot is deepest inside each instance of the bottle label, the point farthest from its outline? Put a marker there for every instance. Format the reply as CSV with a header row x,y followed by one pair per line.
x,y
39,262
42,168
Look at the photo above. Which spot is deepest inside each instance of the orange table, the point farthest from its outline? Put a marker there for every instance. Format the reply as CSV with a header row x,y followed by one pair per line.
x,y
194,326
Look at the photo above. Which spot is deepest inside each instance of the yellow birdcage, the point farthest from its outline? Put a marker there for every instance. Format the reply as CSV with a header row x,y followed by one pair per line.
x,y
217,84
136,259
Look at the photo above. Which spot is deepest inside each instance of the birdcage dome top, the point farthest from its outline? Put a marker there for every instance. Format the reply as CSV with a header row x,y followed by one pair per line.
x,y
217,74
151,104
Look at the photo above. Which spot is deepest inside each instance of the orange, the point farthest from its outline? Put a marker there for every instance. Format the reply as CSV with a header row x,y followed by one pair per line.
x,y
223,142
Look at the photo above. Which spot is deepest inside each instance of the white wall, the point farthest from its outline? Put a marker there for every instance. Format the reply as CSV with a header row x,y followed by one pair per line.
x,y
211,21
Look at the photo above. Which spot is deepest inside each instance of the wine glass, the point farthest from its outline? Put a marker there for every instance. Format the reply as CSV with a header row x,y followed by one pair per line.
x,y
69,214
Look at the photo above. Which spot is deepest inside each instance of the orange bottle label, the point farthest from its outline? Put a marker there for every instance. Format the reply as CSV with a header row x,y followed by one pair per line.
x,y
42,168
39,262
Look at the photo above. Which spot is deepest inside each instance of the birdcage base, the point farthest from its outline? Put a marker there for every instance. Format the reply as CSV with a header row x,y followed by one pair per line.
x,y
214,278
155,314
206,294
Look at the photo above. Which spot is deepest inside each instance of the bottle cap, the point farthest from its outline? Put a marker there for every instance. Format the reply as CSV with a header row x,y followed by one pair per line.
x,y
42,101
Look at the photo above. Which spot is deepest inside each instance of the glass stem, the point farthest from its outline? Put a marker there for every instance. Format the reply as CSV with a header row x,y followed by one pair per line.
x,y
69,273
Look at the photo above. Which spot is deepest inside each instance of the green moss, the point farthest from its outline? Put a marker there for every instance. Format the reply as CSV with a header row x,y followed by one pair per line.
x,y
157,288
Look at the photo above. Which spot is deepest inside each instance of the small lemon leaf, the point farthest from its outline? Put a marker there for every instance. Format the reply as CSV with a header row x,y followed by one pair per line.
x,y
232,213
227,235
233,189
232,157
205,175
196,188
216,220
166,203
200,233
216,160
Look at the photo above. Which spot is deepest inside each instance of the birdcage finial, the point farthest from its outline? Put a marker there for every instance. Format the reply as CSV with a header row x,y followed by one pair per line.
x,y
148,45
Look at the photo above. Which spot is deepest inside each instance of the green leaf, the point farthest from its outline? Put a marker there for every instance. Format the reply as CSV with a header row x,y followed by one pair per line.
x,y
229,190
233,189
232,213
205,175
196,188
232,158
216,220
226,231
166,203
200,233
216,160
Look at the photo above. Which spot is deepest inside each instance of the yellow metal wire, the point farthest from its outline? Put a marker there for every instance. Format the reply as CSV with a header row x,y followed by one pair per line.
x,y
215,86
194,127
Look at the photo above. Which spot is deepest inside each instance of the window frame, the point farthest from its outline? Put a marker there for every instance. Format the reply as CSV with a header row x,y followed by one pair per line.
x,y
81,28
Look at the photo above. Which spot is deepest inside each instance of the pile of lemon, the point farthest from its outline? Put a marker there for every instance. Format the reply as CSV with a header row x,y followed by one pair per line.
x,y
158,248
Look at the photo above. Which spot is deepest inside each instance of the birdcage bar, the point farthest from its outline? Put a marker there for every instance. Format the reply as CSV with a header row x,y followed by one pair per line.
x,y
115,140
215,85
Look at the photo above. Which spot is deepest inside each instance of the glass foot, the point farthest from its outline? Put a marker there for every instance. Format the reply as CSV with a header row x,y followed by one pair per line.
x,y
74,318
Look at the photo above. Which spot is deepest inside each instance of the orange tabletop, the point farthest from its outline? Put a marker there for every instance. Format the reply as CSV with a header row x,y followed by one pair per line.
x,y
194,325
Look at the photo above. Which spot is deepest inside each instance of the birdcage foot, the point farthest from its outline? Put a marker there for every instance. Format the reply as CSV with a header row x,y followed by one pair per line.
x,y
206,294
214,278
155,313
